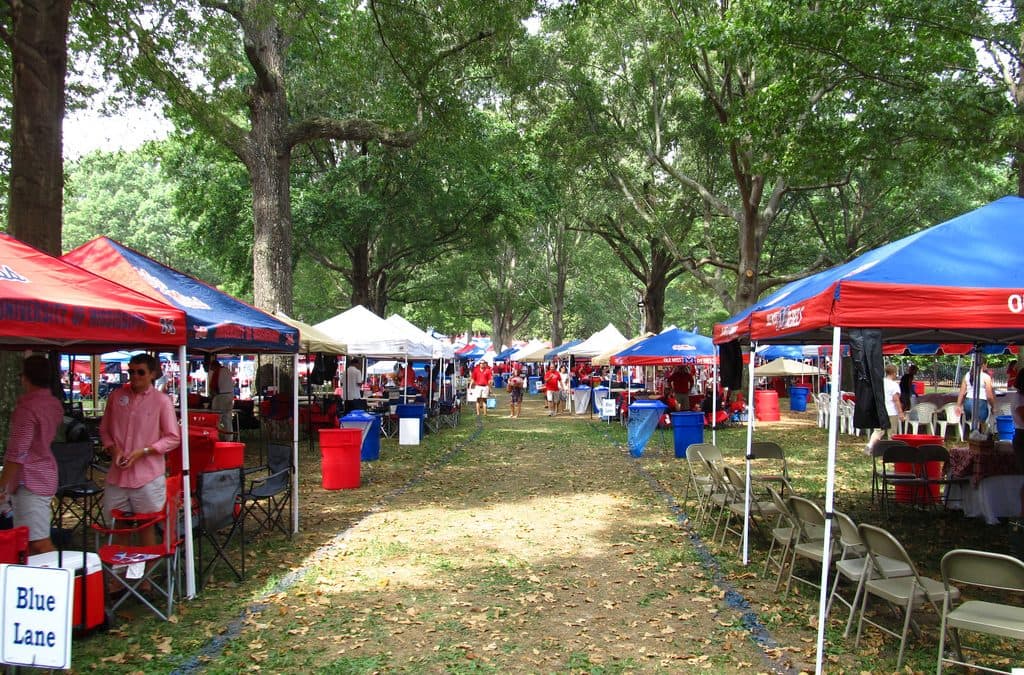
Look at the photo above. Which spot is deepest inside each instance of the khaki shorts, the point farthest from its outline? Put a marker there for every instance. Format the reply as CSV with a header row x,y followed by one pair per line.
x,y
482,392
149,498
32,511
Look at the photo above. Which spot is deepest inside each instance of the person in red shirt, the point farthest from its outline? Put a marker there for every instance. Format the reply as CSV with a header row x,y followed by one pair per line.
x,y
681,381
480,379
29,475
552,385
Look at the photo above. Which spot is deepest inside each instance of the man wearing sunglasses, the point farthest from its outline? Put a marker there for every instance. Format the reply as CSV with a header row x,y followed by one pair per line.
x,y
138,428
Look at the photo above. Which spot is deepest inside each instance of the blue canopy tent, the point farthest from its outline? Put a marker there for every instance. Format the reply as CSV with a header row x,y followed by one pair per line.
x,y
215,322
505,354
956,282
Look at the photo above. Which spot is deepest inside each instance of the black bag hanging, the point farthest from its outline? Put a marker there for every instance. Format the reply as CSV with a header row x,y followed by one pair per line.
x,y
868,372
320,372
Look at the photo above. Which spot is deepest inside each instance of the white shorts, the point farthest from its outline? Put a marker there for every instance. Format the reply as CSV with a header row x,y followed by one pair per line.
x,y
32,511
149,498
482,391
551,395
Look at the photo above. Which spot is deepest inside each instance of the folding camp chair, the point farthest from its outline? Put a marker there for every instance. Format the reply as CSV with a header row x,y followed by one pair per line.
x,y
142,564
217,521
266,499
771,464
78,496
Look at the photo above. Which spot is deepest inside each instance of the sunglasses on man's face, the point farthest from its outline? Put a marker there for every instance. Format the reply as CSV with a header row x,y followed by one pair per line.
x,y
138,371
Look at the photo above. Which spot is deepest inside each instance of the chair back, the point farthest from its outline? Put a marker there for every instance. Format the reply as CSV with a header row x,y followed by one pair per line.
x,y
994,571
766,450
172,507
900,453
219,492
707,451
849,537
879,542
73,461
925,411
807,515
734,480
932,452
781,505
879,448
279,462
197,418
952,416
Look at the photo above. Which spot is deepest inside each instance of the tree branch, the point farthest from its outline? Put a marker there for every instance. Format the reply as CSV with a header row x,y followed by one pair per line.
x,y
361,130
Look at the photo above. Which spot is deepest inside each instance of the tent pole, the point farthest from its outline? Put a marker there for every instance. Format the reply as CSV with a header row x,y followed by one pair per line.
x,y
750,440
295,443
830,489
190,561
714,399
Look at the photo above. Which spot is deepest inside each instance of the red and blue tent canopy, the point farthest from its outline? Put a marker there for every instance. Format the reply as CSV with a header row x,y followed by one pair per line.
x,y
217,322
672,347
45,301
956,282
561,348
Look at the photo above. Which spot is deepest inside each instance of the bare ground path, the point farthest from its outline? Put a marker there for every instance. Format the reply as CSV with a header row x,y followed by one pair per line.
x,y
539,546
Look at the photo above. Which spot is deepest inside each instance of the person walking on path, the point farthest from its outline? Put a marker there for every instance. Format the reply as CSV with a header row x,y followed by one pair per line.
x,y
552,387
481,379
29,477
515,394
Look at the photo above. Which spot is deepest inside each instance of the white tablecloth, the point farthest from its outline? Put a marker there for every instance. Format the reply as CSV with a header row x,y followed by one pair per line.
x,y
995,497
581,400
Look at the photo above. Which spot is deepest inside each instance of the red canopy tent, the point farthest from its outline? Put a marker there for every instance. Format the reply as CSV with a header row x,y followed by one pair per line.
x,y
46,302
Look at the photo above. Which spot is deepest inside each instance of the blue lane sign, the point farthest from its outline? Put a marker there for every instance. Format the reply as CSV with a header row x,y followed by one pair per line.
x,y
35,625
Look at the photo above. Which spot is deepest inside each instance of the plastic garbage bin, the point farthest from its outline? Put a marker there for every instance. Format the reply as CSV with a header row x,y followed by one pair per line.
x,y
340,458
687,429
533,384
766,405
499,381
581,399
643,420
410,423
600,394
369,426
1004,426
798,398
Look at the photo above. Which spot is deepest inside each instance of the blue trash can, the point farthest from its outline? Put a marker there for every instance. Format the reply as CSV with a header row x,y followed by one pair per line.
x,y
410,422
499,381
369,425
643,420
1004,425
798,398
599,394
687,429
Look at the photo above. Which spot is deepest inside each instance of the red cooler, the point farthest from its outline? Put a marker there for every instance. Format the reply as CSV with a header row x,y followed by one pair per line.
x,y
227,455
72,560
340,449
905,493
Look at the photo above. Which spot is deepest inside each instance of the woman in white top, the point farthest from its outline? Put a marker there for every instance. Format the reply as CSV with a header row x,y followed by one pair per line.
x,y
566,389
965,400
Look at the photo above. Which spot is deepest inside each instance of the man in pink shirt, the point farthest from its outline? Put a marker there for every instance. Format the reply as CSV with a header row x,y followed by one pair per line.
x,y
30,469
138,429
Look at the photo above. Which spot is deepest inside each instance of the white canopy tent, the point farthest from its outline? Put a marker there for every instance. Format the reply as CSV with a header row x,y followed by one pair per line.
x,y
785,368
599,342
367,334
534,350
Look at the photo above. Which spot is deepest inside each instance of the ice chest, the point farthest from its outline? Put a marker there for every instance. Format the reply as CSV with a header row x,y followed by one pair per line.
x,y
72,561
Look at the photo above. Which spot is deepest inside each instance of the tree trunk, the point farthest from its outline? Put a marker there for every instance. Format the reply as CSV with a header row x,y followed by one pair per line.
x,y
269,164
38,44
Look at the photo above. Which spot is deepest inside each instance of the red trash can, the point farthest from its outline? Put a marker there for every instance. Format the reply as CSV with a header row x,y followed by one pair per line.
x,y
340,450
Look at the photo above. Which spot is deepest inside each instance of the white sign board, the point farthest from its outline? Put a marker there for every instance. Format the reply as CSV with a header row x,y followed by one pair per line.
x,y
608,407
35,626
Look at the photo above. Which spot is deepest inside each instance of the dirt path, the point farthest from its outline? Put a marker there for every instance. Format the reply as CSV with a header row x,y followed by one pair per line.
x,y
539,547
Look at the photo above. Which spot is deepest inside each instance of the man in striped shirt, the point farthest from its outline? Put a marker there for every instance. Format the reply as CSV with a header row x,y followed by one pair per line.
x,y
30,469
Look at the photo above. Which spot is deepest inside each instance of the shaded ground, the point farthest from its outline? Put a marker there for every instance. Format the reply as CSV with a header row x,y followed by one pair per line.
x,y
530,545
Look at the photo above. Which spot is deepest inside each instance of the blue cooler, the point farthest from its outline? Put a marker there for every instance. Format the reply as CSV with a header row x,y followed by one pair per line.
x,y
410,422
687,429
369,425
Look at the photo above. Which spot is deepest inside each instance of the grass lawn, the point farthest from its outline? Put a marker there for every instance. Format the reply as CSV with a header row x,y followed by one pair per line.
x,y
530,545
